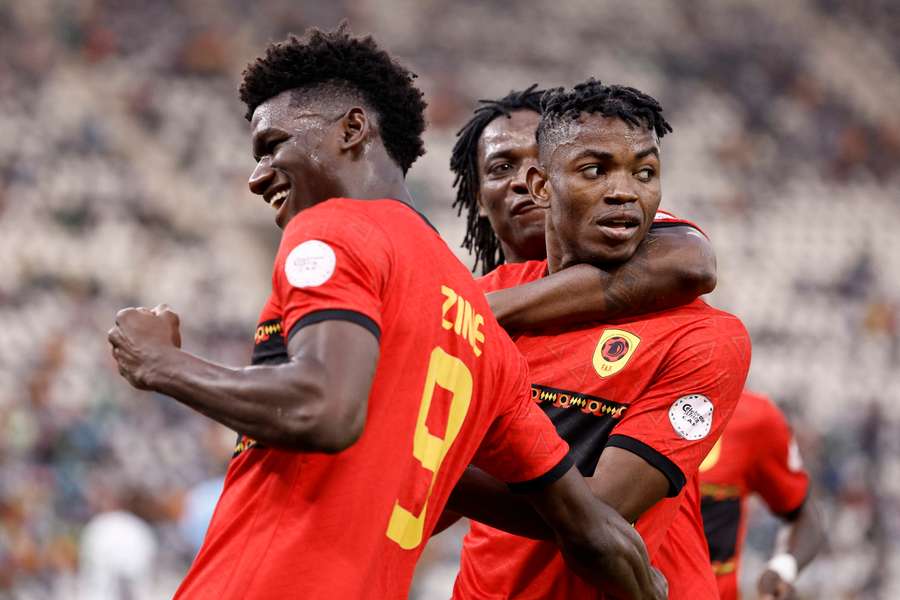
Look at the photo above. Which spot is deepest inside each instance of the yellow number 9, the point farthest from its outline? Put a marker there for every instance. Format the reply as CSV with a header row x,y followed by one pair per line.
x,y
451,374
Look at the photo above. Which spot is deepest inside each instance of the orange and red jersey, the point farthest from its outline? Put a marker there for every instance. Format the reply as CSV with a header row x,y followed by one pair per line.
x,y
450,389
662,386
756,453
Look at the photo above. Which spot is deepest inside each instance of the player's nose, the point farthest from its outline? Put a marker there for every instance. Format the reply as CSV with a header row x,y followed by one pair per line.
x,y
260,178
620,191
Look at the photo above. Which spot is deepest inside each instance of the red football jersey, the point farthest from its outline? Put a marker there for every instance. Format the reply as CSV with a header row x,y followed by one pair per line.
x,y
756,453
662,386
450,389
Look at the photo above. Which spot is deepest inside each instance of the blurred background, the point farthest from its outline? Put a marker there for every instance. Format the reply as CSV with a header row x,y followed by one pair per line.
x,y
123,166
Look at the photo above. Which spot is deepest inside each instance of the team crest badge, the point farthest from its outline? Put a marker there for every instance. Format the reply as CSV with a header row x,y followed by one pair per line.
x,y
613,351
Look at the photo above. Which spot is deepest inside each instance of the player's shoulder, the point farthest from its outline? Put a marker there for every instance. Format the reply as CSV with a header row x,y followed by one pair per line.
x,y
699,326
700,317
663,220
512,274
760,410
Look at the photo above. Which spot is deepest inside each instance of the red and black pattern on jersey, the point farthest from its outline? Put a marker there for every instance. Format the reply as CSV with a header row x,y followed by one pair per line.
x,y
269,347
583,420
661,386
721,521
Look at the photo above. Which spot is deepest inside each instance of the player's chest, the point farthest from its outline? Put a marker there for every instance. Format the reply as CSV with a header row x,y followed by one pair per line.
x,y
586,382
616,364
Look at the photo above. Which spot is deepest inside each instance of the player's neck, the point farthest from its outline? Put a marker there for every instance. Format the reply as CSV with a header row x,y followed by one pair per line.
x,y
376,178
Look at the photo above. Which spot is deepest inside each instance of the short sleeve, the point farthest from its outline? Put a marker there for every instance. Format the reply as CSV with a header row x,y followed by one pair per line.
x,y
676,422
778,475
332,265
522,447
664,219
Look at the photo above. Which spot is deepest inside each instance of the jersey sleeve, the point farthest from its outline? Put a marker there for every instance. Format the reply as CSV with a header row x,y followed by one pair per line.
x,y
664,219
332,265
522,447
677,420
778,475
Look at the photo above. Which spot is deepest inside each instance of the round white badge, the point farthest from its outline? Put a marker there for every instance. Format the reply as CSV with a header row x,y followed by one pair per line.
x,y
310,264
692,416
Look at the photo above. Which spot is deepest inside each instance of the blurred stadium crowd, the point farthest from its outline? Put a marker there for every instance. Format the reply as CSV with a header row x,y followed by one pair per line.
x,y
123,161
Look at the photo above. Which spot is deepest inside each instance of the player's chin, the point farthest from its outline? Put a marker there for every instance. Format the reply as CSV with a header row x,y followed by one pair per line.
x,y
610,254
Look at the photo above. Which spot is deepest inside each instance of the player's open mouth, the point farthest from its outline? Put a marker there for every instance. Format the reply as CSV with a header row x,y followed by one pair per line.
x,y
620,227
278,198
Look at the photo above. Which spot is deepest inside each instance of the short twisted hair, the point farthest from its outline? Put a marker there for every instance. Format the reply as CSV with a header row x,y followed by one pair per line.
x,y
560,108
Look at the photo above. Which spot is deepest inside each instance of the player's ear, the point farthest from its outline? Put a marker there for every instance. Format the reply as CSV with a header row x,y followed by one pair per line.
x,y
538,186
354,128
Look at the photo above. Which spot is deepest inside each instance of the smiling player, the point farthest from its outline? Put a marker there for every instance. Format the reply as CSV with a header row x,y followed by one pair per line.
x,y
379,373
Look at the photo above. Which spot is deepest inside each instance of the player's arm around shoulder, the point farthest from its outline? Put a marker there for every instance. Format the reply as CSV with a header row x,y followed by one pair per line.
x,y
672,266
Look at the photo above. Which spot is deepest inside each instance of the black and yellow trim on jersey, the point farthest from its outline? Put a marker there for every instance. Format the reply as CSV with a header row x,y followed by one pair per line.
x,y
651,455
352,316
268,347
539,483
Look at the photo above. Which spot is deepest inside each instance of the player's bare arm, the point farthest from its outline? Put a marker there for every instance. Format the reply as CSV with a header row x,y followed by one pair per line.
x,y
671,267
596,541
801,540
315,402
622,480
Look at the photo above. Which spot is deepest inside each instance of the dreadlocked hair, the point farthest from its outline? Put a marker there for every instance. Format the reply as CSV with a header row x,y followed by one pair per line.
x,y
334,58
480,238
560,108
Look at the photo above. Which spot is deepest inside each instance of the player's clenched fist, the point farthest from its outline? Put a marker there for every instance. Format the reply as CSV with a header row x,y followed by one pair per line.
x,y
139,340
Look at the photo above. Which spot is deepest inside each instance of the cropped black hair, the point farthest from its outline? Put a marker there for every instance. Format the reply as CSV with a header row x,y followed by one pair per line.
x,y
560,107
335,57
480,238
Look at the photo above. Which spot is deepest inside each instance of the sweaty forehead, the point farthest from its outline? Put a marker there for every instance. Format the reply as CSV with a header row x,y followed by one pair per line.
x,y
608,134
284,111
273,112
512,133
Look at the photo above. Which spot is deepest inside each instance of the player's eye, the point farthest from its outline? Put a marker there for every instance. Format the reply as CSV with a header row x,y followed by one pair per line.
x,y
500,168
645,175
272,146
591,171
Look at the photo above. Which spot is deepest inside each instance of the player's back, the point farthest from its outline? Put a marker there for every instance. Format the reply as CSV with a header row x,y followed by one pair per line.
x,y
352,524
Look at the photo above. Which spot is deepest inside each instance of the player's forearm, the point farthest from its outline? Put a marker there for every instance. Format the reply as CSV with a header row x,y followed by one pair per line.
x,y
596,541
278,406
668,270
805,537
485,499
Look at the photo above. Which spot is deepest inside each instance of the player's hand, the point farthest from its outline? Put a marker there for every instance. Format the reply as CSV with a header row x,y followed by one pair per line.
x,y
140,339
772,587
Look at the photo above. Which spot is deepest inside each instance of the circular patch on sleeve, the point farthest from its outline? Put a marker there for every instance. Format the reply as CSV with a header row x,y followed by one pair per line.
x,y
310,264
691,416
